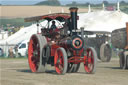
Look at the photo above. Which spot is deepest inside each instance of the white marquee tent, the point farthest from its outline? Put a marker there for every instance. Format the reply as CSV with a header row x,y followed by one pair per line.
x,y
92,21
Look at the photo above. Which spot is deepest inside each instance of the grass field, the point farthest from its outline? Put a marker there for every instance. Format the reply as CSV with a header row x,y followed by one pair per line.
x,y
28,11
20,12
14,15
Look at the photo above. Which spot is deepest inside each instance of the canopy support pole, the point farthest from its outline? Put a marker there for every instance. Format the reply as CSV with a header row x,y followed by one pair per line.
x,y
37,27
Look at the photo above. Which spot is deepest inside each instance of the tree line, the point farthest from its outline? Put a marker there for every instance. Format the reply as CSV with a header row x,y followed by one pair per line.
x,y
74,3
50,2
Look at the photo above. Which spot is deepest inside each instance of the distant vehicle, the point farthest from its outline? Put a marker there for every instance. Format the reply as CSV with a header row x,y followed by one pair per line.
x,y
110,8
21,48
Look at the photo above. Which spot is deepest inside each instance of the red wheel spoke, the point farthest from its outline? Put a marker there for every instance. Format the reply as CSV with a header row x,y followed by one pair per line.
x,y
60,67
88,64
33,52
89,60
59,61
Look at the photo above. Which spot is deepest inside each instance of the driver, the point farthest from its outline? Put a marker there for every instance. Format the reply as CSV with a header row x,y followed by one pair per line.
x,y
53,26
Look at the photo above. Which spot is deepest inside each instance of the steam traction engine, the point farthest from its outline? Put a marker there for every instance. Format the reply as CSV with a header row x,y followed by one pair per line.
x,y
119,40
61,47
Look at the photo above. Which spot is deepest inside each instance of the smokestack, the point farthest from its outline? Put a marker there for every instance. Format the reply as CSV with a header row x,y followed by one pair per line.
x,y
73,12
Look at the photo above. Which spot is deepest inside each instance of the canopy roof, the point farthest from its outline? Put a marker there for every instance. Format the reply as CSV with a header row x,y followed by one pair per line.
x,y
58,16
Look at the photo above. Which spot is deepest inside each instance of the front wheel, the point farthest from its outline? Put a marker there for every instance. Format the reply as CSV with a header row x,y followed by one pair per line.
x,y
90,60
60,61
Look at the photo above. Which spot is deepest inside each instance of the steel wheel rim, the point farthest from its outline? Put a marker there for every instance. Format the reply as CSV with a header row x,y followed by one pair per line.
x,y
89,63
107,53
34,54
59,61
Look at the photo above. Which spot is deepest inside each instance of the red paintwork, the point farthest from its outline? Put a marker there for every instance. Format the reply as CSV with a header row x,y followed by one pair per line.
x,y
74,42
77,57
59,61
54,41
54,16
80,52
33,60
53,49
110,8
89,61
49,17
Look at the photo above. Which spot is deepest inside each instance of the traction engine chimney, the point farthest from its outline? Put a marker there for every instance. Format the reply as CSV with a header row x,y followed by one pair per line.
x,y
73,12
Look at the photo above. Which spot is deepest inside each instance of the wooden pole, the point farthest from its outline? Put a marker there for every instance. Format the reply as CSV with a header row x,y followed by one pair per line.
x,y
127,36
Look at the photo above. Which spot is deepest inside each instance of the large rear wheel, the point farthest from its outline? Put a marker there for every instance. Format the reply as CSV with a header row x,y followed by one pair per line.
x,y
90,60
60,61
35,59
105,52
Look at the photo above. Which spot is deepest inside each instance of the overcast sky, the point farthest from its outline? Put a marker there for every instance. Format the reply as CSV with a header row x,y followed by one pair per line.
x,y
30,2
